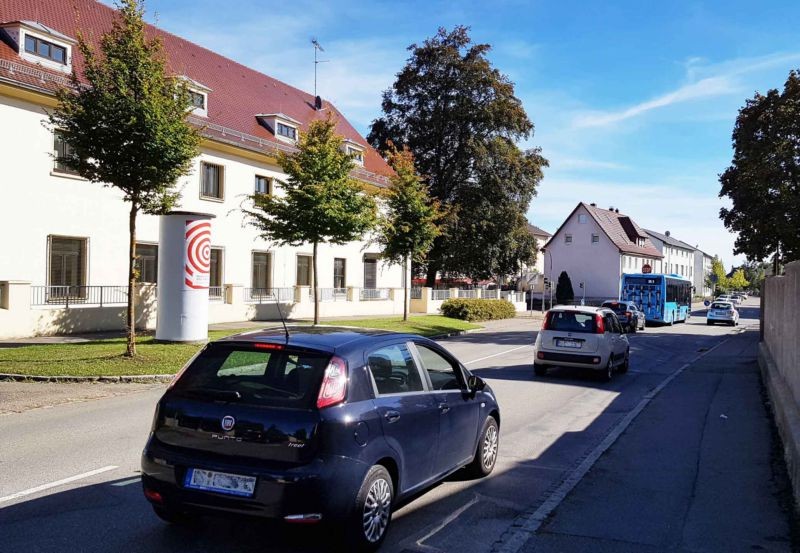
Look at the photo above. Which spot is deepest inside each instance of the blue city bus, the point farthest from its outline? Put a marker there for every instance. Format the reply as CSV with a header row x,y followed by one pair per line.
x,y
665,299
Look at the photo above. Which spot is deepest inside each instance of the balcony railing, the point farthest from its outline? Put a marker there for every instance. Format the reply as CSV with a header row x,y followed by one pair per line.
x,y
374,294
467,293
268,295
491,294
332,294
79,295
216,293
439,295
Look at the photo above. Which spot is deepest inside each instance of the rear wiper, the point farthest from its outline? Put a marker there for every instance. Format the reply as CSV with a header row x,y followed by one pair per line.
x,y
225,395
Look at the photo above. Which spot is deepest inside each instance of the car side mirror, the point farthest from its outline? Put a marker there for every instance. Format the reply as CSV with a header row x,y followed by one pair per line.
x,y
475,383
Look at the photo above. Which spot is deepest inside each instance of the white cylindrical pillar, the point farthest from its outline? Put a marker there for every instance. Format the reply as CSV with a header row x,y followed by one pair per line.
x,y
184,260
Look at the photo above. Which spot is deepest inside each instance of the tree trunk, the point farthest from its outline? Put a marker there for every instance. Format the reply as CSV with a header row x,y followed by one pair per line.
x,y
314,283
430,278
131,315
406,278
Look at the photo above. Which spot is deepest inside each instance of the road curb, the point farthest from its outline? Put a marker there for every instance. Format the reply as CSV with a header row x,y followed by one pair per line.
x,y
527,524
125,379
454,333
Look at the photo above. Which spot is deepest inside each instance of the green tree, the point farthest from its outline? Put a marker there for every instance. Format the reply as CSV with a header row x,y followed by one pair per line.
x,y
321,204
410,224
461,119
125,120
564,291
755,273
763,181
737,280
717,280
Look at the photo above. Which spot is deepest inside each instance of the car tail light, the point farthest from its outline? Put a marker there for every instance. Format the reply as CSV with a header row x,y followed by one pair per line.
x,y
334,383
540,355
153,496
599,325
628,314
270,347
546,321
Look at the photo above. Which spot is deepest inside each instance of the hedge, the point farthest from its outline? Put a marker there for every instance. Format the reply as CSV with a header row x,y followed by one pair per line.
x,y
468,309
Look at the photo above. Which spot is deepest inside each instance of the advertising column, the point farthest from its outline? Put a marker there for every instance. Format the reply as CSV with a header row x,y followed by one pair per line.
x,y
184,262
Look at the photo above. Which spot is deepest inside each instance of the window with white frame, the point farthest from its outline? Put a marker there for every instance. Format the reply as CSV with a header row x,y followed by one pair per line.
x,y
215,267
211,180
263,185
197,99
286,131
67,261
595,238
303,270
568,239
62,152
262,270
339,272
45,49
147,262
356,154
582,218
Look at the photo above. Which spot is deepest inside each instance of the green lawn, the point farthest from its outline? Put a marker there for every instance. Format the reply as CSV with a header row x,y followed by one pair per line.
x,y
104,357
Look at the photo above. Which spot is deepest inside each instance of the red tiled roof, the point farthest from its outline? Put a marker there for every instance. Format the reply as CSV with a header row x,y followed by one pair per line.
x,y
621,230
238,92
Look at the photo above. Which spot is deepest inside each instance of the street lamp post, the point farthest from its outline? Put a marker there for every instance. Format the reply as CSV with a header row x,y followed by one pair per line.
x,y
545,250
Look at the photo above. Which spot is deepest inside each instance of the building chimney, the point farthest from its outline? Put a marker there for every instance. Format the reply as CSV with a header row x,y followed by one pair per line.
x,y
593,204
666,233
611,208
317,103
616,210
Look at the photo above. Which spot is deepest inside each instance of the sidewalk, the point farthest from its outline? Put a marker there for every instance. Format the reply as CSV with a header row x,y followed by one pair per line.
x,y
698,470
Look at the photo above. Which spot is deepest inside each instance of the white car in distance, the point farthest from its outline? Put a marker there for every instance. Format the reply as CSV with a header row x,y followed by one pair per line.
x,y
722,312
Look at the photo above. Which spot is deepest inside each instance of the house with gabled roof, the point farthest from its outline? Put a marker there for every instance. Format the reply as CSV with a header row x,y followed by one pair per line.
x,y
60,232
595,247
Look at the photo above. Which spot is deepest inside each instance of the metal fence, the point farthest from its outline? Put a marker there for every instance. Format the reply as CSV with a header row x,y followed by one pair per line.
x,y
462,293
216,293
79,295
268,295
491,294
438,295
374,294
416,293
332,294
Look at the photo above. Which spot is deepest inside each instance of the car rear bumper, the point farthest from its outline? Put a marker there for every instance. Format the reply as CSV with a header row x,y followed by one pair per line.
x,y
721,318
583,360
323,486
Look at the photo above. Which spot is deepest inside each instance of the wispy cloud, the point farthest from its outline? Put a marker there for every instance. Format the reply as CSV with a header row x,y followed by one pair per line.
x,y
706,80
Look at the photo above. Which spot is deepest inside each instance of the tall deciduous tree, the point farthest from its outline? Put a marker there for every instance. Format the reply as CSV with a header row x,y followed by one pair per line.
x,y
125,120
461,119
737,280
763,181
410,224
718,279
321,203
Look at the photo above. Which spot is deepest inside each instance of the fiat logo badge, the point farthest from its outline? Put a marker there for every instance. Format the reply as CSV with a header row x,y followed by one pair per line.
x,y
228,422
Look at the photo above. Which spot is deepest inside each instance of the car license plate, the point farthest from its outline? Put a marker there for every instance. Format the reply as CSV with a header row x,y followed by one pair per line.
x,y
573,344
222,482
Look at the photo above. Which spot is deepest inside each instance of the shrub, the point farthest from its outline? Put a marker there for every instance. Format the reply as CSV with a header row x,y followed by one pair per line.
x,y
468,309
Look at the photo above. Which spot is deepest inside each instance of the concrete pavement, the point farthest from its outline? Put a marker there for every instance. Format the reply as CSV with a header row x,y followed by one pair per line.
x,y
698,470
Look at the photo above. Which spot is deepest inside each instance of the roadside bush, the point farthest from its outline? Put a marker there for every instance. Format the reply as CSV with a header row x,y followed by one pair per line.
x,y
468,309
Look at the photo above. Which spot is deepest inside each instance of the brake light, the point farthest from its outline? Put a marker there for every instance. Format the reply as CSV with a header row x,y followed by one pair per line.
x,y
270,347
599,325
334,383
628,314
153,496
546,321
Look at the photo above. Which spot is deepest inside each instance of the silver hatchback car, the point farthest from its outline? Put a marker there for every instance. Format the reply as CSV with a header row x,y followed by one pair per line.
x,y
583,337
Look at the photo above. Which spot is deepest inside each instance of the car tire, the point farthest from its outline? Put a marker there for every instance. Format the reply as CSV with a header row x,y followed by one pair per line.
x,y
539,370
486,452
608,372
625,364
171,516
369,523
709,323
632,328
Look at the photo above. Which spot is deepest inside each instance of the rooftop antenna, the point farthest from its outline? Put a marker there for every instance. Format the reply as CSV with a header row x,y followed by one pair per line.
x,y
317,47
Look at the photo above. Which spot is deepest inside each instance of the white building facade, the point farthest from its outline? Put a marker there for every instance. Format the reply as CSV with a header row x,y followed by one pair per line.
x,y
678,255
702,269
58,230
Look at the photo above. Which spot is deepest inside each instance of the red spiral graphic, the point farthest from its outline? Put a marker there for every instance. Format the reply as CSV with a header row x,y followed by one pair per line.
x,y
198,248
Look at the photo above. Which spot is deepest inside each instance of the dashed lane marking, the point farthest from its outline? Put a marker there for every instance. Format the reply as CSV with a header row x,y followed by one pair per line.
x,y
57,483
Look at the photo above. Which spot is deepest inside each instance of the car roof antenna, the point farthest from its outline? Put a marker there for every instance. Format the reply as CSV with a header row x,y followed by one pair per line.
x,y
280,313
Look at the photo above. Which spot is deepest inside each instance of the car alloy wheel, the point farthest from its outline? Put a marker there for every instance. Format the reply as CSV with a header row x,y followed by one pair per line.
x,y
486,452
489,453
377,510
609,370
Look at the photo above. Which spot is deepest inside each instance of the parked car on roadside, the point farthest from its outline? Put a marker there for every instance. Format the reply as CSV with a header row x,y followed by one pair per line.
x,y
628,314
584,337
722,312
325,425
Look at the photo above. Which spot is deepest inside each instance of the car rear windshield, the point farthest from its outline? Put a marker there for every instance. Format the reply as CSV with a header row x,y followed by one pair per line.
x,y
244,373
720,305
617,307
571,321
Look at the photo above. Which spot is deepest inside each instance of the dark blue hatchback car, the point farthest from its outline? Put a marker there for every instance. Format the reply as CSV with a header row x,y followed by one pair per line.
x,y
330,425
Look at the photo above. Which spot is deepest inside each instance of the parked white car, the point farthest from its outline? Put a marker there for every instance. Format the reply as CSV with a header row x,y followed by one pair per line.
x,y
722,312
584,337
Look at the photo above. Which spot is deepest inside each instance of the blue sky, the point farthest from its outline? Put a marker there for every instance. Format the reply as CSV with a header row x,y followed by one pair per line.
x,y
634,102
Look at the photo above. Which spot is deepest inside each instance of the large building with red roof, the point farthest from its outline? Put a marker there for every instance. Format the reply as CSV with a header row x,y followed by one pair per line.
x,y
57,229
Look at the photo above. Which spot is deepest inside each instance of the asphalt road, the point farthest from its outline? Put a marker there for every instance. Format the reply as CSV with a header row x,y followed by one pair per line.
x,y
68,474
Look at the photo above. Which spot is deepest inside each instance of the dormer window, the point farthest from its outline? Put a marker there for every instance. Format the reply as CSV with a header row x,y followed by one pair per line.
x,y
45,49
281,125
39,44
198,96
198,99
286,131
355,151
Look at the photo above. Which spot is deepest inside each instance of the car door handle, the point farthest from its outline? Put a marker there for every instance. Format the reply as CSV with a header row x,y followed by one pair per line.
x,y
391,416
444,408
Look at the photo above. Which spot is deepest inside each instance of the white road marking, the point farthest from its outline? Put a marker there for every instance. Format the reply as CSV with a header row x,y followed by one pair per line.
x,y
501,353
127,482
450,518
57,483
526,526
